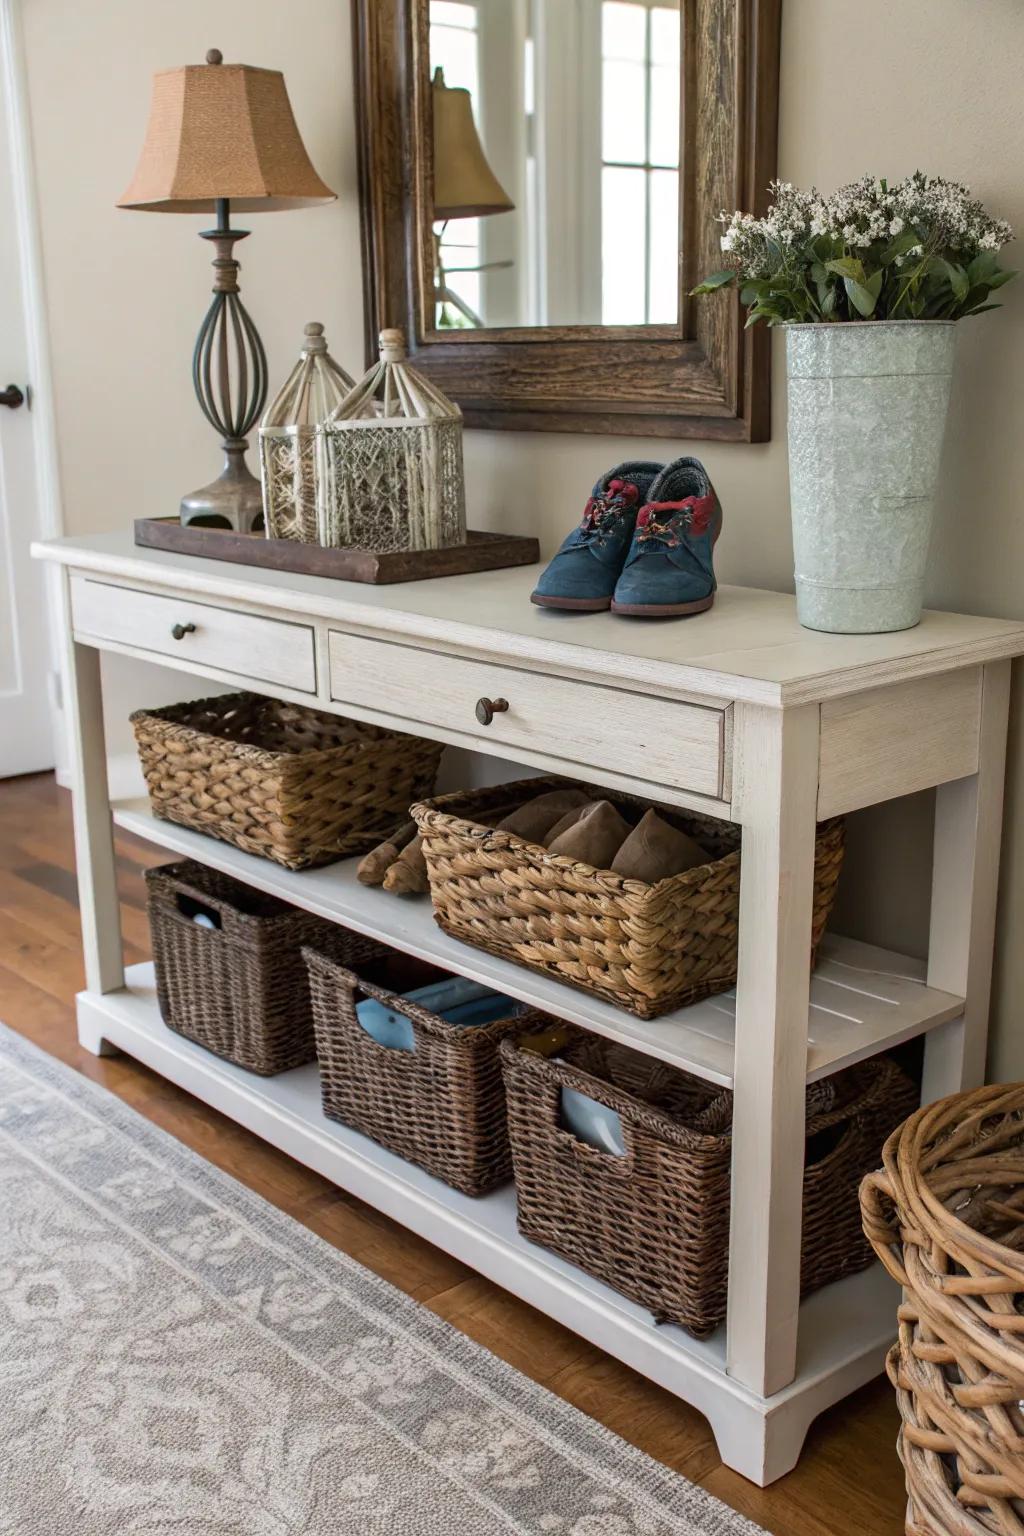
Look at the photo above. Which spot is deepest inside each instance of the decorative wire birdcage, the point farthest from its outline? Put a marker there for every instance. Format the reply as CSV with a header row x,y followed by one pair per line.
x,y
389,461
288,439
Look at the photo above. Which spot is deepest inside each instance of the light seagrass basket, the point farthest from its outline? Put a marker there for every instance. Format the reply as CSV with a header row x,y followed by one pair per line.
x,y
648,948
290,783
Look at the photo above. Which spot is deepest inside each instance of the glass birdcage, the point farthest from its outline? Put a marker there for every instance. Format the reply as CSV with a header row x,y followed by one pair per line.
x,y
389,461
288,470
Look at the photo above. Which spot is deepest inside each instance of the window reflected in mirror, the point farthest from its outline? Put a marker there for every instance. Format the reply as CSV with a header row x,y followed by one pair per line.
x,y
556,162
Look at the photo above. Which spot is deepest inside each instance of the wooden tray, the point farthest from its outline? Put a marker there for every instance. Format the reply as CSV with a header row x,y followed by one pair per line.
x,y
481,552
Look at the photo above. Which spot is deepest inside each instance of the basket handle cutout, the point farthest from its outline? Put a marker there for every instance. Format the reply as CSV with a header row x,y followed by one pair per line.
x,y
197,912
826,1143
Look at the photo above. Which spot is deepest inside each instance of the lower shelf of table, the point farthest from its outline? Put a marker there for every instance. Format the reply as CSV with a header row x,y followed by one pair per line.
x,y
844,1329
863,999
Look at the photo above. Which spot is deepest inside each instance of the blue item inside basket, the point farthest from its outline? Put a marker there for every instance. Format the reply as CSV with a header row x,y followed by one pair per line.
x,y
467,1004
591,1122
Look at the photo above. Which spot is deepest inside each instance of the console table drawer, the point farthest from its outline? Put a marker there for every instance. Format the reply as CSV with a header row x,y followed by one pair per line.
x,y
246,644
662,741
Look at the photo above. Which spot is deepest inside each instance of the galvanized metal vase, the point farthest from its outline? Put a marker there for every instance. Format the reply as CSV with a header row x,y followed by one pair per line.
x,y
867,415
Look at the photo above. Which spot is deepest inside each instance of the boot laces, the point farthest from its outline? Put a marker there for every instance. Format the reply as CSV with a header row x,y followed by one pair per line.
x,y
666,523
601,512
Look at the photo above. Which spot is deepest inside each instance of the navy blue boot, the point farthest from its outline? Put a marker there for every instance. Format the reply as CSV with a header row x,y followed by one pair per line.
x,y
670,566
583,574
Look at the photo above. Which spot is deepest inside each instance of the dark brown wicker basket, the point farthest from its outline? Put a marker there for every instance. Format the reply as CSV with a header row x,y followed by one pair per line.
x,y
655,1223
240,990
290,783
441,1106
648,948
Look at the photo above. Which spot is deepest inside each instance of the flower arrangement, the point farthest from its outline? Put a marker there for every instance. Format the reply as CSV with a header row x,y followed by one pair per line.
x,y
923,249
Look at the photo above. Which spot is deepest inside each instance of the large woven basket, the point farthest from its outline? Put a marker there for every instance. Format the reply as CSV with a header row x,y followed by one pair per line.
x,y
648,948
239,988
441,1106
289,783
654,1224
946,1217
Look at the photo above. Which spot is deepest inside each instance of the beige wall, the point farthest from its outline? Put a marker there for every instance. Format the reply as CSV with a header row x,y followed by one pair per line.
x,y
879,86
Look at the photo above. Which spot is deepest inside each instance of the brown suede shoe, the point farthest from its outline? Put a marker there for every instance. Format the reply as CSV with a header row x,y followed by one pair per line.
x,y
595,838
655,850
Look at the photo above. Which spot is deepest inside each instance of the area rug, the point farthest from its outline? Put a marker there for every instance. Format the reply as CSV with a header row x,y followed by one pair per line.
x,y
179,1358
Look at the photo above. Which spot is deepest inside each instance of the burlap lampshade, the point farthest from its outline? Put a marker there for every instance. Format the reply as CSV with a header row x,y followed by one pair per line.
x,y
224,132
464,185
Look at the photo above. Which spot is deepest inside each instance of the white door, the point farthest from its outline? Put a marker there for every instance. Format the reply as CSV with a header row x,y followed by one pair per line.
x,y
26,737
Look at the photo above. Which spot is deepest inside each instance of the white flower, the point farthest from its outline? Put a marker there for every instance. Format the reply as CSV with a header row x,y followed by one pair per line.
x,y
896,226
989,241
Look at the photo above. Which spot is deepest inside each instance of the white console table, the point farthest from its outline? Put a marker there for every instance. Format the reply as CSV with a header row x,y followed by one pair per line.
x,y
739,713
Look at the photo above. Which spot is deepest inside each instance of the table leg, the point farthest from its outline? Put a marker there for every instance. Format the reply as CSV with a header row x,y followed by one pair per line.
x,y
94,833
965,878
776,764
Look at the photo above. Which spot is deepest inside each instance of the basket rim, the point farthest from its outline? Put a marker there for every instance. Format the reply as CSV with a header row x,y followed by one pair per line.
x,y
269,757
510,842
421,1018
876,1078
178,875
905,1166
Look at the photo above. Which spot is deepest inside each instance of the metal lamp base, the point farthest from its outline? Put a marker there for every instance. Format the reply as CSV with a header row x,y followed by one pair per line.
x,y
233,500
229,372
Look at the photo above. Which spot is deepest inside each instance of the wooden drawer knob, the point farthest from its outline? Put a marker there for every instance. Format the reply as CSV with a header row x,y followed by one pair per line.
x,y
486,709
179,631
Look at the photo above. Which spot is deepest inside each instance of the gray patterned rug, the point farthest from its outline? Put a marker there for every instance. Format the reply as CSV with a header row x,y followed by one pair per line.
x,y
178,1358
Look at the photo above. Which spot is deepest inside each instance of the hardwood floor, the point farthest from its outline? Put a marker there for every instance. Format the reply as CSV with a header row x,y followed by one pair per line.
x,y
849,1478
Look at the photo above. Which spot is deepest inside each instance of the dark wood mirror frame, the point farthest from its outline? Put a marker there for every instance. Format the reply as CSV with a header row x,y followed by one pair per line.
x,y
702,377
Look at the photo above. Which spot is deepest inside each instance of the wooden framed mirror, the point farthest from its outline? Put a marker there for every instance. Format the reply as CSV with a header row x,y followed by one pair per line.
x,y
584,149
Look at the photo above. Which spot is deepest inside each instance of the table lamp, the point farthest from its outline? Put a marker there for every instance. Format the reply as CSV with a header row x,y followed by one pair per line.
x,y
465,187
220,134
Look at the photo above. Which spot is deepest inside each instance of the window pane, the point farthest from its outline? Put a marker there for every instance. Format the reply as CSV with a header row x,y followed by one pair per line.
x,y
452,13
623,31
624,110
664,252
664,35
454,49
664,149
622,246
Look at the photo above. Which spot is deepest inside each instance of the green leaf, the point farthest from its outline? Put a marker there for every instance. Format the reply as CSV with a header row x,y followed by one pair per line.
x,y
899,246
713,283
980,309
828,303
1000,276
864,296
847,266
982,267
762,312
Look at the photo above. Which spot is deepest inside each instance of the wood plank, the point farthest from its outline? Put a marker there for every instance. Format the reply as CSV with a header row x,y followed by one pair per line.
x,y
896,740
481,552
749,646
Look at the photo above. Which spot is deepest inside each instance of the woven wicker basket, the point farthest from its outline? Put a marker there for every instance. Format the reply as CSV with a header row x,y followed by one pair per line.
x,y
648,948
239,989
441,1106
946,1217
280,780
655,1223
